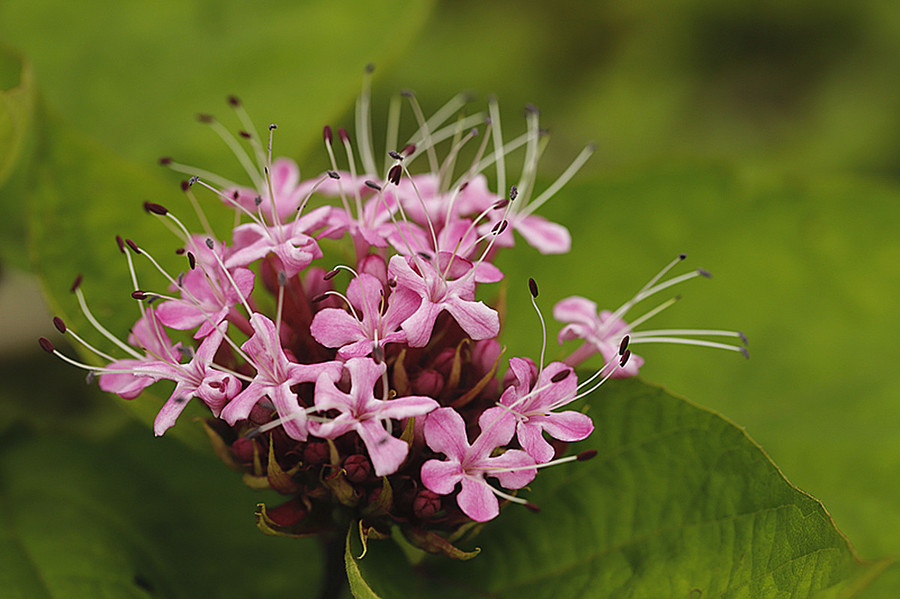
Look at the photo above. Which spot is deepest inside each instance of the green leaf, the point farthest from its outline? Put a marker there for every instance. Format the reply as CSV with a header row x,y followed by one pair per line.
x,y
806,266
135,517
358,585
678,502
134,74
17,99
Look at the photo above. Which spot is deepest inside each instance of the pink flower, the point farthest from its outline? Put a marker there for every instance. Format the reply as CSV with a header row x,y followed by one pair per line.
x,y
197,378
148,335
289,192
377,326
360,411
207,295
445,432
275,375
289,242
602,332
450,289
533,404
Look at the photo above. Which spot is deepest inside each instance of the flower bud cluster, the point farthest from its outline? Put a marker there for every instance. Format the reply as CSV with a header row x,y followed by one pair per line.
x,y
370,390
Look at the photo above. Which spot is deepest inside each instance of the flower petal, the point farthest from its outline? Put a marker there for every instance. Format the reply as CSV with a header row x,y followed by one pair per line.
x,y
477,501
445,432
386,452
441,477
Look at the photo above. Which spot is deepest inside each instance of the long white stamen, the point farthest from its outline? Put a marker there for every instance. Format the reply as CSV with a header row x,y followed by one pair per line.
x,y
638,322
393,124
229,200
363,124
499,150
668,332
424,132
700,342
250,129
78,338
193,171
201,215
444,133
507,496
643,290
533,288
529,168
238,150
560,182
351,163
556,462
101,329
424,206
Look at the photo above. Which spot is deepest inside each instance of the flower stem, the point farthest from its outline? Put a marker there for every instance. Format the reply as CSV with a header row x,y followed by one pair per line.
x,y
334,579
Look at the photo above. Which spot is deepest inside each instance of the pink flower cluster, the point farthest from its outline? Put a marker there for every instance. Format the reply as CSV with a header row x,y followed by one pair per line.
x,y
371,385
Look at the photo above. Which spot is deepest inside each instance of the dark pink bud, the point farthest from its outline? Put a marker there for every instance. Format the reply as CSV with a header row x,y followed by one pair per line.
x,y
287,514
426,504
77,283
409,150
234,101
532,287
242,450
343,135
244,134
165,161
121,243
327,135
133,246
429,382
357,467
623,345
185,185
315,453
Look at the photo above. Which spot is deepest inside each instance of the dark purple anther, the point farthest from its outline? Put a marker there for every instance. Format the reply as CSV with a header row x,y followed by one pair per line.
x,y
59,324
155,208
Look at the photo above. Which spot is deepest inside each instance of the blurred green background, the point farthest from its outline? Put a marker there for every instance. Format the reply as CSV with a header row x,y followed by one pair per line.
x,y
761,138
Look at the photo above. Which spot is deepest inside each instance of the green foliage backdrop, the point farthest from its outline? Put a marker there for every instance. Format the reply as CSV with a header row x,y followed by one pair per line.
x,y
760,138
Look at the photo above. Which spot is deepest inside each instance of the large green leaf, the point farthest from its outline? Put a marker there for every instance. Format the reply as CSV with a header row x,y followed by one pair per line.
x,y
806,266
678,502
17,99
136,517
133,74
